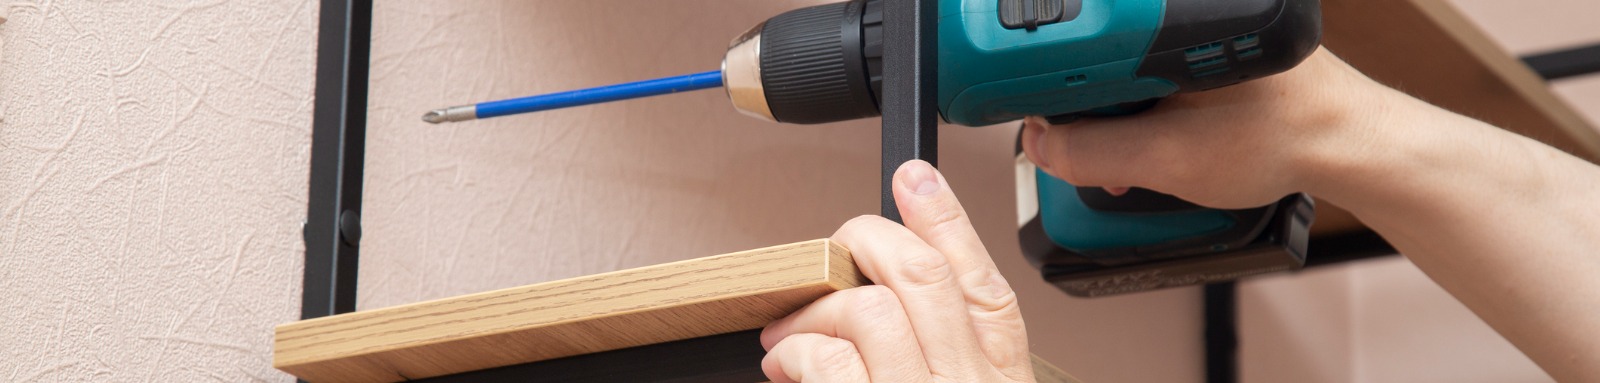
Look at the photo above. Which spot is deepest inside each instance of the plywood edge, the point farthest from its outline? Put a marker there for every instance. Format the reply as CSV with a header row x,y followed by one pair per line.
x,y
673,301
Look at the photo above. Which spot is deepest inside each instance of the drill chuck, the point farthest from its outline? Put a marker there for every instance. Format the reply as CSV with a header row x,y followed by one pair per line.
x,y
809,66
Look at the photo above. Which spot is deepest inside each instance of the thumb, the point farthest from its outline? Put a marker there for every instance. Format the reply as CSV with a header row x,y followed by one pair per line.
x,y
1100,152
931,211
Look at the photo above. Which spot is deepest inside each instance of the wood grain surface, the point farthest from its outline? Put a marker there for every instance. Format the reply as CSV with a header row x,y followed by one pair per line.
x,y
667,302
648,305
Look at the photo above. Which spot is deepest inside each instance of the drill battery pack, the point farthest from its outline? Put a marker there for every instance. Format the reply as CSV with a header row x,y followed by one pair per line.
x,y
1144,240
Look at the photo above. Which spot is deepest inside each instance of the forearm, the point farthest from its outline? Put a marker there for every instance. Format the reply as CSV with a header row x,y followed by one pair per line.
x,y
1509,226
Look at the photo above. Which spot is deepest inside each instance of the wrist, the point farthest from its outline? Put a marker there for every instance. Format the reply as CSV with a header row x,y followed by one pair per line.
x,y
1356,141
1397,155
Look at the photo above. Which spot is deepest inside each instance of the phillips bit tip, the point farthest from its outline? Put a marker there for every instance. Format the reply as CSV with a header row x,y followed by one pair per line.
x,y
434,116
451,114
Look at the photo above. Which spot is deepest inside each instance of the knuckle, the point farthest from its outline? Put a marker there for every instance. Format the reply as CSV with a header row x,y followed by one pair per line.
x,y
925,267
989,292
875,304
947,219
834,354
1003,310
859,225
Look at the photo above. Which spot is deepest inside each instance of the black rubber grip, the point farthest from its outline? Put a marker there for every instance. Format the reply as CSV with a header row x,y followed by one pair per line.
x,y
811,65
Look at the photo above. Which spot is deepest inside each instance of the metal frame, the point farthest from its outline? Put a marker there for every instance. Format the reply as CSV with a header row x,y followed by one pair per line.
x,y
727,358
910,90
338,149
1565,63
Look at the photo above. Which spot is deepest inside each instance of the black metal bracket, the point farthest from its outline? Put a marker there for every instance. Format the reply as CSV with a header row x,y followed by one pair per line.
x,y
727,358
910,90
1565,63
338,149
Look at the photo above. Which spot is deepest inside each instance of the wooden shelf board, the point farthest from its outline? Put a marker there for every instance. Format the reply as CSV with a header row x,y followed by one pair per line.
x,y
672,301
649,305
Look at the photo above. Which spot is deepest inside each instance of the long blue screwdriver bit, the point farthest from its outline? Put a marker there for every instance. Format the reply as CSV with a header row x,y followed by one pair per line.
x,y
608,93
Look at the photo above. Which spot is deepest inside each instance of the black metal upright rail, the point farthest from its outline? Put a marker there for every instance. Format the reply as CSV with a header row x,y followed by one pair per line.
x,y
338,146
910,90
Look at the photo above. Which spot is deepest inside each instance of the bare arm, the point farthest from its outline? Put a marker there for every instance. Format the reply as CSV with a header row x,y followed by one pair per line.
x,y
1507,225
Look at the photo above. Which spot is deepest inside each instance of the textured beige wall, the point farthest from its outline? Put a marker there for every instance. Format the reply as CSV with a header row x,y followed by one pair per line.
x,y
152,185
153,164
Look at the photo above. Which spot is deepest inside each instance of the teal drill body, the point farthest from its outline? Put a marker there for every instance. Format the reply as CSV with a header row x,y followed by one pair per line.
x,y
1088,58
1002,60
991,74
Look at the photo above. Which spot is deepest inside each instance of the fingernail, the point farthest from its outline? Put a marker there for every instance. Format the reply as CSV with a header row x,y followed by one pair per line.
x,y
1036,132
920,178
1116,191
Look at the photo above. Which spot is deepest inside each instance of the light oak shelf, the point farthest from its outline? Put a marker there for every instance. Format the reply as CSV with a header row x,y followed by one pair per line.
x,y
629,308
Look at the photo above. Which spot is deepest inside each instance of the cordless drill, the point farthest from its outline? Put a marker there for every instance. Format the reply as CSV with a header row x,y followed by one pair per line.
x,y
1001,60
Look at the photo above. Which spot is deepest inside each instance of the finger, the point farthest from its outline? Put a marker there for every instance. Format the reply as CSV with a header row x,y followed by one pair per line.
x,y
869,317
814,358
932,212
890,255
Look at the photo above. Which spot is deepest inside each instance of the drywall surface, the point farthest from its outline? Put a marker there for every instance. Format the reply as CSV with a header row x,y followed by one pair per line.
x,y
152,184
468,207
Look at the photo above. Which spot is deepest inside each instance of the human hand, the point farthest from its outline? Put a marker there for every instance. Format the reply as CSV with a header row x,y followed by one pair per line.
x,y
1237,147
940,310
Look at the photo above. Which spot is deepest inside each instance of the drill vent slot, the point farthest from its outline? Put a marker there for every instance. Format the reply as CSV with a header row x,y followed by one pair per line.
x,y
1077,80
1212,72
1203,64
1246,42
1249,53
1203,52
